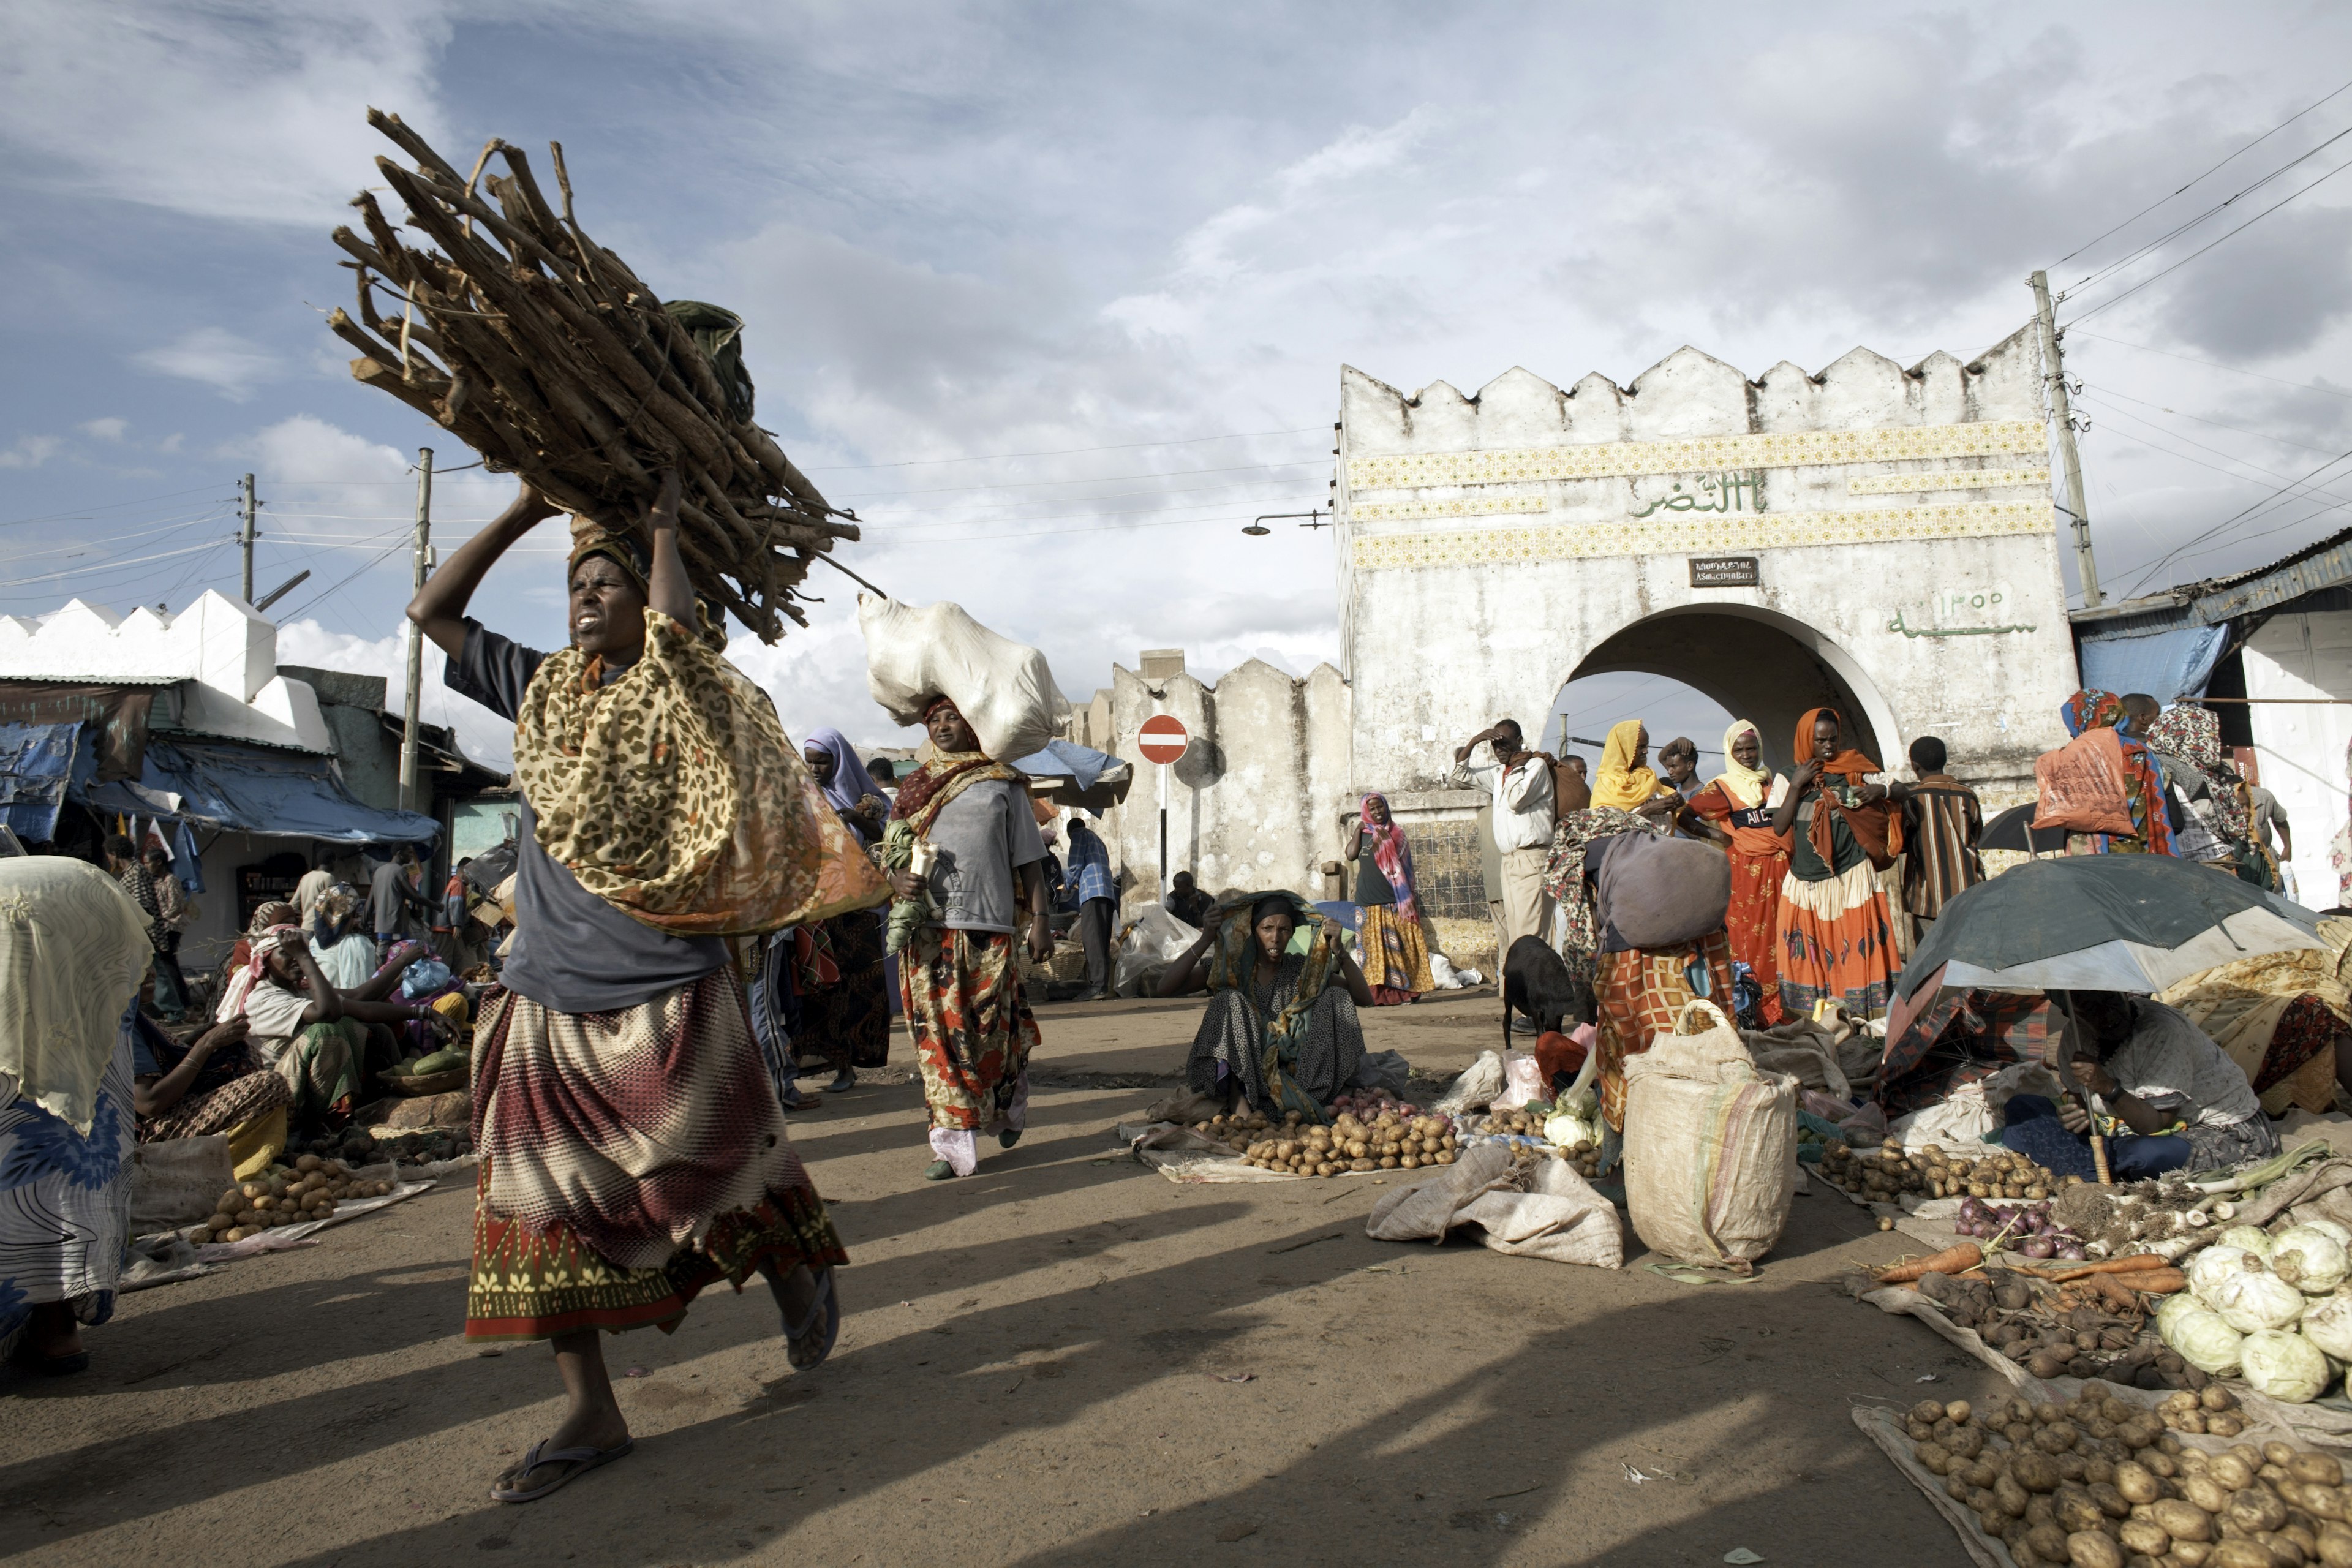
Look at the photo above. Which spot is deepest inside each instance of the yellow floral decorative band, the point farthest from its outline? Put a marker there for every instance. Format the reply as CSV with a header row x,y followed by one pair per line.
x,y
1463,506
1775,531
1946,479
1784,449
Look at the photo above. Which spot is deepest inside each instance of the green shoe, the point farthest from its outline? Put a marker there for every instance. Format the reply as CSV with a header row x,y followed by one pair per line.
x,y
1009,1137
938,1171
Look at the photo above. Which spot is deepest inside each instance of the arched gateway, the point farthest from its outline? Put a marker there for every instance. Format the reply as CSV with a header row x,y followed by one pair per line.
x,y
1879,540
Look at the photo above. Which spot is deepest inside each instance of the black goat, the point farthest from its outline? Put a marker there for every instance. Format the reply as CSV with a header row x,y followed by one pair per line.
x,y
1538,983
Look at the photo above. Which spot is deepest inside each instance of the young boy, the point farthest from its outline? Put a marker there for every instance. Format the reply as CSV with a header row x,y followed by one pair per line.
x,y
1941,823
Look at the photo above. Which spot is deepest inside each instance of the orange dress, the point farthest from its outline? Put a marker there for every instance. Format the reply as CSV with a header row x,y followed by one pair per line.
x,y
1759,860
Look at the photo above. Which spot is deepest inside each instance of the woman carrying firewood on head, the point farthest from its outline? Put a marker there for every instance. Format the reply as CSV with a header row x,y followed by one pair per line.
x,y
632,1149
961,901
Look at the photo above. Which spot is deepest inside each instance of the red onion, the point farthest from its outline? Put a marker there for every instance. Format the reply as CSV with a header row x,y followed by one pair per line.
x,y
2072,1252
2038,1246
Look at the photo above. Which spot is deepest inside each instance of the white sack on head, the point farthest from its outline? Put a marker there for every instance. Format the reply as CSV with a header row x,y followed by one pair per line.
x,y
1003,689
72,949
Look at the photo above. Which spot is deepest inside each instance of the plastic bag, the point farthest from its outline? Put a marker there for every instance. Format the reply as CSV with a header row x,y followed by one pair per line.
x,y
1004,690
2080,786
1156,937
1475,1088
1523,1081
1710,1144
1560,1218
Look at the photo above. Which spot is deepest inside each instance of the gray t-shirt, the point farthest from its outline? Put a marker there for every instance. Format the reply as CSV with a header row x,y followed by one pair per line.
x,y
2170,1064
573,952
983,836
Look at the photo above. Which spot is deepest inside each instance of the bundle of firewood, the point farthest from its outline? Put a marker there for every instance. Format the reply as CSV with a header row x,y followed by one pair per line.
x,y
542,351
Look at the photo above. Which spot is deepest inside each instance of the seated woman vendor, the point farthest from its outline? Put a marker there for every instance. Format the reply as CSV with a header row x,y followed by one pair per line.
x,y
309,1029
1260,993
2177,1103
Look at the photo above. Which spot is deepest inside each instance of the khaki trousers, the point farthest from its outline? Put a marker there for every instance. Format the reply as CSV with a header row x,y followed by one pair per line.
x,y
1526,908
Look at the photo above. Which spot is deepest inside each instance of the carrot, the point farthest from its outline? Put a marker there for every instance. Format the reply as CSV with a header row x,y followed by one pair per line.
x,y
2156,1281
2137,1263
1967,1254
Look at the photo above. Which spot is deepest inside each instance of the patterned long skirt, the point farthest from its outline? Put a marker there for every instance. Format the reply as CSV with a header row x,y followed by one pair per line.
x,y
1752,922
973,1033
220,1109
847,1020
1396,958
1836,942
630,1159
65,1205
1640,994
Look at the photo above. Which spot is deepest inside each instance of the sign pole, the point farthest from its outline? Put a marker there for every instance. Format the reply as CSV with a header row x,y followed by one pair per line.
x,y
1163,739
1163,831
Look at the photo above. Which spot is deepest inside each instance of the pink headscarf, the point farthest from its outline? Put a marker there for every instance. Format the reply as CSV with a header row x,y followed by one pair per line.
x,y
1392,855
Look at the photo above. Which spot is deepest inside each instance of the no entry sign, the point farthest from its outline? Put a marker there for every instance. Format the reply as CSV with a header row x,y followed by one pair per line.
x,y
1163,738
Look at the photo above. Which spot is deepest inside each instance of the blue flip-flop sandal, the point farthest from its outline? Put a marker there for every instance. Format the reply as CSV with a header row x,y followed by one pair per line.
x,y
578,1462
828,1303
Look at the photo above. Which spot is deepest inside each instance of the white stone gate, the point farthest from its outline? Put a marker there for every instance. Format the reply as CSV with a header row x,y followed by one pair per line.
x,y
1872,538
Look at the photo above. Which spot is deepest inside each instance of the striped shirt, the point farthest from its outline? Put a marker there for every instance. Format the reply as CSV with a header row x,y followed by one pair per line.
x,y
1941,823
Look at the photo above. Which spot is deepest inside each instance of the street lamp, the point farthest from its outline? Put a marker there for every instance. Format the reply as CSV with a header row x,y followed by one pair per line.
x,y
1258,528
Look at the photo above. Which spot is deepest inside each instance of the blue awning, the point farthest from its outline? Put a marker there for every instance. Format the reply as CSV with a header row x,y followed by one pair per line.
x,y
254,791
36,762
1067,759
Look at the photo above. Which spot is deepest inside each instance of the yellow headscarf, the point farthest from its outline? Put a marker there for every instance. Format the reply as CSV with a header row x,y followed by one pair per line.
x,y
1745,785
1620,784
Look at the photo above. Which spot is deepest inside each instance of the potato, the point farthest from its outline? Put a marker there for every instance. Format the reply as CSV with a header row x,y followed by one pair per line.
x,y
2277,1453
2336,1543
2137,1484
2110,1501
1935,1457
2324,1470
2216,1397
2073,1466
2047,1542
2230,1471
2182,1521
2035,1471
2256,1509
2009,1496
2145,1537
2206,1493
2077,1512
2058,1437
1966,1442
2240,1553
239,1233
2089,1549
2322,1502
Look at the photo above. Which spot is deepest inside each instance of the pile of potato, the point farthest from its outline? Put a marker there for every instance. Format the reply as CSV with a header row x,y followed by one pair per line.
x,y
1882,1175
280,1196
2098,1482
1527,1121
1388,1142
1237,1131
2214,1411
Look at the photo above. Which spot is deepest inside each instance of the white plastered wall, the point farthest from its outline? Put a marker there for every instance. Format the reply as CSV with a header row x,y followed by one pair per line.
x,y
2303,664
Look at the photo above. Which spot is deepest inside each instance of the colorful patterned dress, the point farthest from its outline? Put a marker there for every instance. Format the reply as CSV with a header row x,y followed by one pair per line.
x,y
1760,863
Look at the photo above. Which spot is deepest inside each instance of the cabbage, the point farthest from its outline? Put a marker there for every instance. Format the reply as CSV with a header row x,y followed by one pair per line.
x,y
2285,1366
2199,1336
2254,1238
2250,1302
2174,1306
2310,1259
2217,1263
2329,1228
2328,1325
1568,1129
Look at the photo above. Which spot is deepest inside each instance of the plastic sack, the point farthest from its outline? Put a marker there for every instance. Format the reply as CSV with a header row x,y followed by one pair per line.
x,y
1156,937
1560,1218
1710,1144
2080,786
178,1181
1384,1069
1003,689
1475,1088
1661,892
1523,1081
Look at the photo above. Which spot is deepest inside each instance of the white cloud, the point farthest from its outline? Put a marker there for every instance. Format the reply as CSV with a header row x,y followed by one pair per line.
x,y
247,110
30,451
110,429
231,365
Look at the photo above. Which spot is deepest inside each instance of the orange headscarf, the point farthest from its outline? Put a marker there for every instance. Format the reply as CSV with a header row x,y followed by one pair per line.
x,y
1874,827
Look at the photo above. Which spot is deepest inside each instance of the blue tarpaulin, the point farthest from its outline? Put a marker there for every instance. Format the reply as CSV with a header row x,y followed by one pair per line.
x,y
2168,665
35,765
1067,759
254,791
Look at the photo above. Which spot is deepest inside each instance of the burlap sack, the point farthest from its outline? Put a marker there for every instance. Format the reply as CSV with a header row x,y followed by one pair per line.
x,y
1710,1144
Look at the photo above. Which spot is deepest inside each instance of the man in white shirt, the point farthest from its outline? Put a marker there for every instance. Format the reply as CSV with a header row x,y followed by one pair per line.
x,y
1521,784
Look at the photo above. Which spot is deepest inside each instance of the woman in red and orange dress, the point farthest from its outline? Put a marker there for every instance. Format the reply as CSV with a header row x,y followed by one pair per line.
x,y
1741,801
1836,938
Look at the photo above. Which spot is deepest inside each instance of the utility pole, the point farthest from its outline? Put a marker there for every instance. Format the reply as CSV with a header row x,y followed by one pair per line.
x,y
2054,371
422,565
245,540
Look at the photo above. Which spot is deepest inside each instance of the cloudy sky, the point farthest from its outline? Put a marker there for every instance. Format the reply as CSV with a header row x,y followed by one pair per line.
x,y
1056,296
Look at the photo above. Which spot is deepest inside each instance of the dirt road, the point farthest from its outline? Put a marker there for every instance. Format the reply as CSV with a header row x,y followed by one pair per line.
x,y
1066,1359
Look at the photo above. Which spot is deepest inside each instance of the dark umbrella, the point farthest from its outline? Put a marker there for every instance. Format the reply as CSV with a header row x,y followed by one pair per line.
x,y
2103,922
2014,829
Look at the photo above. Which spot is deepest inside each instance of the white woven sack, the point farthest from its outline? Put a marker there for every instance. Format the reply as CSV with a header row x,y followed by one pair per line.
x,y
1003,688
1710,1144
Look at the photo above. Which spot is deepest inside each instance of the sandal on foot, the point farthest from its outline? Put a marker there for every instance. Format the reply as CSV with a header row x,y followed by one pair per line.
x,y
1009,1137
939,1171
576,1462
828,1306
843,1084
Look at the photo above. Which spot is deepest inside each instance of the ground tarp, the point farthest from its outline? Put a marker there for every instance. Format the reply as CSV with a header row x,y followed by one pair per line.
x,y
254,791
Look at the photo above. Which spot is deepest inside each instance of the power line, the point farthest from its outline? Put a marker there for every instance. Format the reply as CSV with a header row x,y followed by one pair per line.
x,y
2267,501
2201,249
2217,364
2215,169
83,514
2217,423
2178,229
2174,435
1064,452
365,568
